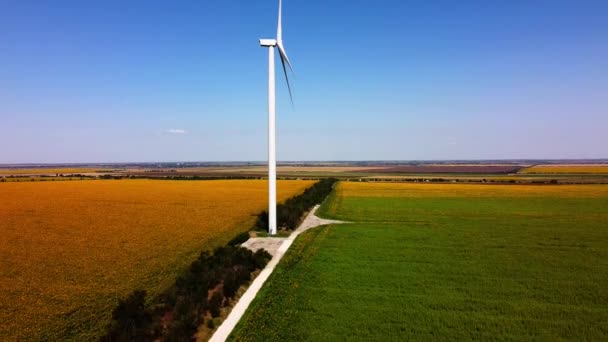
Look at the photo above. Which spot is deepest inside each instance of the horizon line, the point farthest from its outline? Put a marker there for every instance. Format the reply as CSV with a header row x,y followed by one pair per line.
x,y
339,161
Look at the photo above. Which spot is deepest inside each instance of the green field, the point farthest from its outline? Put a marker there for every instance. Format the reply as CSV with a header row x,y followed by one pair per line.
x,y
444,262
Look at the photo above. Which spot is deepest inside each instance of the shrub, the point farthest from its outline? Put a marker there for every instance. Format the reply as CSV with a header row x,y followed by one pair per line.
x,y
239,239
129,319
215,303
261,258
231,284
262,221
213,323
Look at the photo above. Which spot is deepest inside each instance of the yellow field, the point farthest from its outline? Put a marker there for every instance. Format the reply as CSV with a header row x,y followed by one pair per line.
x,y
433,190
69,250
556,169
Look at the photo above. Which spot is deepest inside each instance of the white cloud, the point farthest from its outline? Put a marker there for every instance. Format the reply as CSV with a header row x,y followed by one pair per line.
x,y
176,131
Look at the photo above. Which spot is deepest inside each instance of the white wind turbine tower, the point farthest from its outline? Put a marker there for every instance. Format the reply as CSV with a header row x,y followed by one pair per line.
x,y
272,157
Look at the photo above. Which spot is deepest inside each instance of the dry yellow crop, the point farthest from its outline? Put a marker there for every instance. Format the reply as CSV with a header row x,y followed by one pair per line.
x,y
71,249
574,169
433,190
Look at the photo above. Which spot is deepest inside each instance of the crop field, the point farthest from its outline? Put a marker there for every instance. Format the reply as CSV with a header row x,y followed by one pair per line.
x,y
254,171
70,250
568,169
285,169
471,169
45,171
444,262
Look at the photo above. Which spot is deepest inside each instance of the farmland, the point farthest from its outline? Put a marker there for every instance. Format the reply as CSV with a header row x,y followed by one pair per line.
x,y
471,169
444,262
71,249
567,169
519,172
47,171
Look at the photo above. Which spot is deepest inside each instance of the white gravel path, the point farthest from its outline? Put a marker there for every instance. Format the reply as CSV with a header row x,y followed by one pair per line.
x,y
277,248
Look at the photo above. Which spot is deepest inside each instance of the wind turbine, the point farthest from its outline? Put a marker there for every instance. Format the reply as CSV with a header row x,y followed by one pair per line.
x,y
272,156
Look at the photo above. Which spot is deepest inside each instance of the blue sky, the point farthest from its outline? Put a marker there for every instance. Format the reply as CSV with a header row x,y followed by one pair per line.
x,y
118,81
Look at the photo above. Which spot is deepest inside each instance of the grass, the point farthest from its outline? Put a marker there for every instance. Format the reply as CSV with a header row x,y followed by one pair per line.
x,y
70,250
444,262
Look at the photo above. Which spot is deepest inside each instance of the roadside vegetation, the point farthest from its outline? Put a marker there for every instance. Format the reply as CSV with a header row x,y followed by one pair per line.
x,y
196,298
443,262
291,212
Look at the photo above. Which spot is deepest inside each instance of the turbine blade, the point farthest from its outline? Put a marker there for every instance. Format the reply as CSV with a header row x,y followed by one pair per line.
x,y
280,25
283,60
283,54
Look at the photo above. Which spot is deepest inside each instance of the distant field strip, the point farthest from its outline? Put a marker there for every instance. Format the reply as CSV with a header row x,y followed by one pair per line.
x,y
444,262
286,169
568,169
45,171
69,250
482,169
352,190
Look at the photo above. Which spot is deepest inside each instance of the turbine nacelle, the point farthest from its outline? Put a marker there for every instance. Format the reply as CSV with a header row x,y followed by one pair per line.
x,y
268,42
